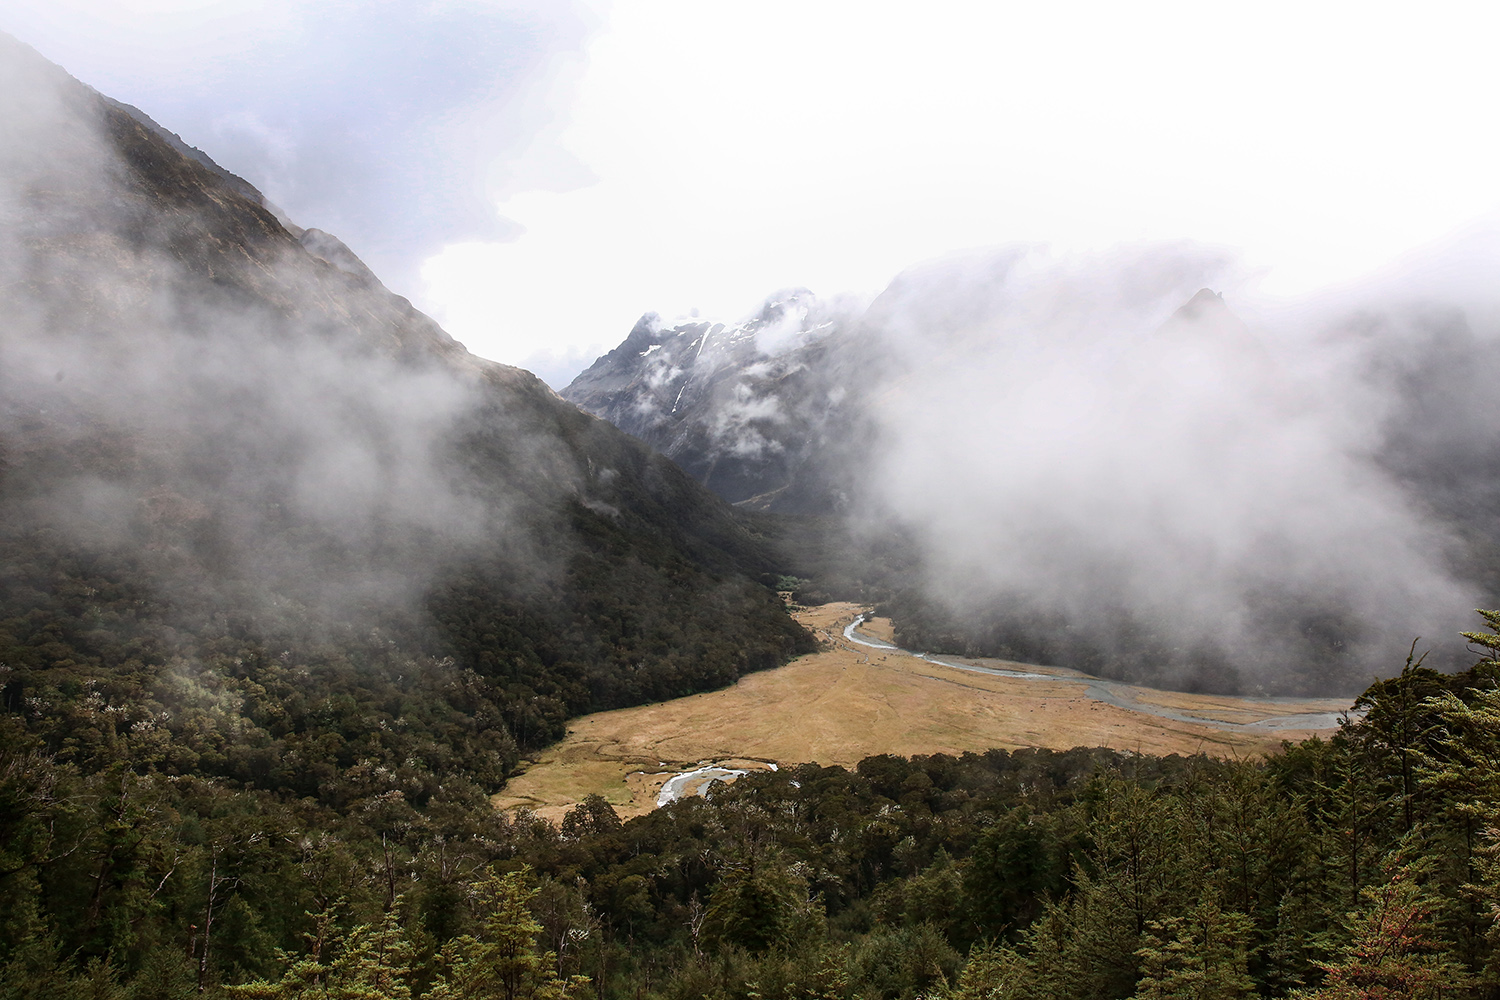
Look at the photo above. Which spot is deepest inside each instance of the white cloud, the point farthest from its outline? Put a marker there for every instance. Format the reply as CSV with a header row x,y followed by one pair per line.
x,y
391,123
741,149
705,155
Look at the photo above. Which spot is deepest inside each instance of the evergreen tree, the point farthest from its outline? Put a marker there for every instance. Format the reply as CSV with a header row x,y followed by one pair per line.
x,y
1393,955
375,963
1137,849
1462,774
757,906
904,962
994,973
1082,949
1012,872
503,961
1202,956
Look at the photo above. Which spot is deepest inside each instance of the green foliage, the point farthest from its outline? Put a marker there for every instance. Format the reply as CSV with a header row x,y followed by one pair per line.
x,y
1200,956
593,817
1393,952
1028,875
1084,946
934,896
757,906
1016,866
808,973
372,961
993,973
905,962
1489,641
502,962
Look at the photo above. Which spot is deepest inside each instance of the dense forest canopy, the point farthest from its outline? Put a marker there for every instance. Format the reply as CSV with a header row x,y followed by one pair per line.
x,y
1363,865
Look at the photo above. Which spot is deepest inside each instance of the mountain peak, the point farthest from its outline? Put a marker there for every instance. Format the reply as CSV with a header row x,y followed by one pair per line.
x,y
644,333
1205,302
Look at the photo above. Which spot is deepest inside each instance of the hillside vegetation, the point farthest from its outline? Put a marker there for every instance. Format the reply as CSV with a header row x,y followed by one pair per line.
x,y
250,499
1358,866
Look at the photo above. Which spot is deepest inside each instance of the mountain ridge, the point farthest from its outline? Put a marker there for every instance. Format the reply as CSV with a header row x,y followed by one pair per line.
x,y
747,409
227,462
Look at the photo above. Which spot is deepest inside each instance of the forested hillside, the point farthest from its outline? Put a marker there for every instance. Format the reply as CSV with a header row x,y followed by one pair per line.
x,y
246,491
1360,866
268,535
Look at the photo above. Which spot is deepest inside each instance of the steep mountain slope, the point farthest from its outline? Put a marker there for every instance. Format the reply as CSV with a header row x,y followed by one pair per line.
x,y
260,519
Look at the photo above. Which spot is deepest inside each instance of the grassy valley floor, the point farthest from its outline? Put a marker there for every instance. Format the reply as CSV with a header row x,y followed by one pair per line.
x,y
848,702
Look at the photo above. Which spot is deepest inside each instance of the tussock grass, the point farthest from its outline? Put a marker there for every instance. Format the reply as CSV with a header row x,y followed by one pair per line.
x,y
848,702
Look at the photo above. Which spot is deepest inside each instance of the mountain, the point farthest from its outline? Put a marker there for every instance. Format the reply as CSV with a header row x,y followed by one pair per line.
x,y
761,412
1098,462
264,522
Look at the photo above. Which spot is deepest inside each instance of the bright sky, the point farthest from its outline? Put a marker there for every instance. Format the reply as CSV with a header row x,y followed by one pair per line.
x,y
538,175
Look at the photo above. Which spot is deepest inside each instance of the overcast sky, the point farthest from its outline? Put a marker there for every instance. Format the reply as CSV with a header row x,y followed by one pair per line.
x,y
537,175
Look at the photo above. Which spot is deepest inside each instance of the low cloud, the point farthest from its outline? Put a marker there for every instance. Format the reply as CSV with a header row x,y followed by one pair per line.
x,y
1241,493
237,410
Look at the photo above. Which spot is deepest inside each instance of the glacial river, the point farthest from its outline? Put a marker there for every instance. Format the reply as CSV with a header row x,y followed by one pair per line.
x,y
1115,693
697,781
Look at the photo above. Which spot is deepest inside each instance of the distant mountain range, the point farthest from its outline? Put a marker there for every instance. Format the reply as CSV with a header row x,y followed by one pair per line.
x,y
227,423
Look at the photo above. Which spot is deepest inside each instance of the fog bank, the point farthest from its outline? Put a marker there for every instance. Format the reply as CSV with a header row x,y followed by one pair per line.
x,y
1102,459
181,379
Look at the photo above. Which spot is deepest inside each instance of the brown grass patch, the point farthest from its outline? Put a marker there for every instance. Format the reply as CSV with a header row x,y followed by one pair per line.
x,y
848,702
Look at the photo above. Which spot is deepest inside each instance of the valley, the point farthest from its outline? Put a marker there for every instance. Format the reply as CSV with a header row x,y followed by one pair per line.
x,y
852,700
337,659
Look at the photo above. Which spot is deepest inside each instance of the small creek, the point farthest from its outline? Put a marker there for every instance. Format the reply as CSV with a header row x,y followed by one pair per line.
x,y
696,781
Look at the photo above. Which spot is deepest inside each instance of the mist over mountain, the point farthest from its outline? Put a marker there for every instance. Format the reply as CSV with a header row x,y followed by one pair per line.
x,y
758,411
238,478
1098,461
292,584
